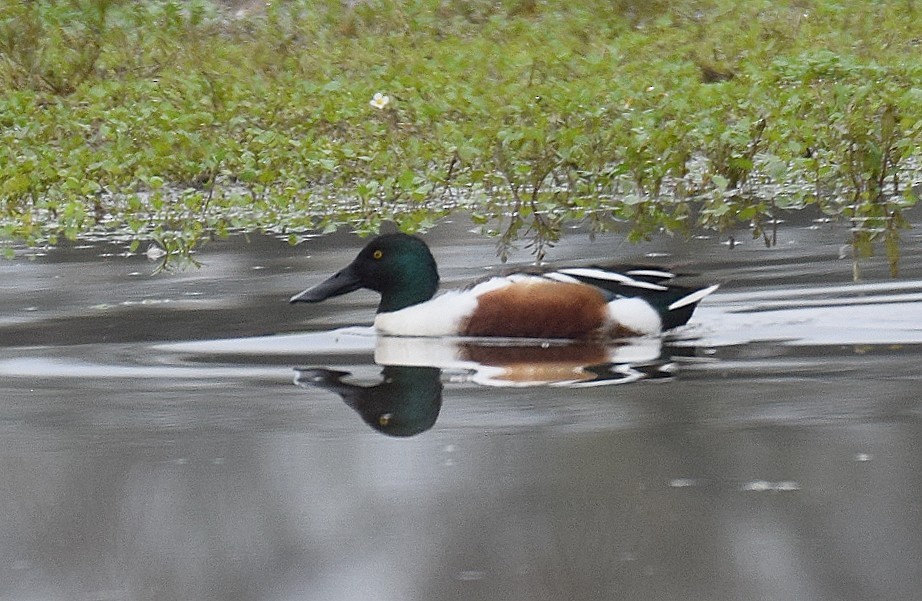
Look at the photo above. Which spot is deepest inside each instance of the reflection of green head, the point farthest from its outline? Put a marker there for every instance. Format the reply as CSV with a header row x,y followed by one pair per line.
x,y
405,403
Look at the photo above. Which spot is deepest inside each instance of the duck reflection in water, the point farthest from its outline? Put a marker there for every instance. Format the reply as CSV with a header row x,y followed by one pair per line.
x,y
405,403
408,398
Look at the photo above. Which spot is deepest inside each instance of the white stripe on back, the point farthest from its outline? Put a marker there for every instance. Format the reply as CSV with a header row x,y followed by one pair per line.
x,y
651,273
610,276
561,277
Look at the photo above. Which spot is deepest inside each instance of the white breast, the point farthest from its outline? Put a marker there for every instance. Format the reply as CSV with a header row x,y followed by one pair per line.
x,y
441,316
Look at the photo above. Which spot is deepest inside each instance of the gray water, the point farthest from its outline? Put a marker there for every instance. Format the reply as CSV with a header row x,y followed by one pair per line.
x,y
155,443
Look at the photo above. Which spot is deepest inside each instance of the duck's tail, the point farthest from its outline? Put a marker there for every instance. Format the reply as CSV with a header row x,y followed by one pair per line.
x,y
678,311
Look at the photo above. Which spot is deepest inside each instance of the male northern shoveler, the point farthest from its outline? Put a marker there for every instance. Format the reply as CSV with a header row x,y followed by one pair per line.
x,y
573,303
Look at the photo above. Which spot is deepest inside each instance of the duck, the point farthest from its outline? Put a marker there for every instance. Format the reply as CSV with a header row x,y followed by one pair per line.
x,y
574,303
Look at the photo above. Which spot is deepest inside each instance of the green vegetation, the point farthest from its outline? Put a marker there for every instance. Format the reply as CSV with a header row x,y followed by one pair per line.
x,y
175,121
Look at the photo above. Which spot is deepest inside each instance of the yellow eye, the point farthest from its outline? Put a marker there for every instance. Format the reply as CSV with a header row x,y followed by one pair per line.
x,y
377,254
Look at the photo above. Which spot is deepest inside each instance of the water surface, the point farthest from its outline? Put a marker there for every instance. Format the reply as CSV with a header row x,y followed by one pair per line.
x,y
158,441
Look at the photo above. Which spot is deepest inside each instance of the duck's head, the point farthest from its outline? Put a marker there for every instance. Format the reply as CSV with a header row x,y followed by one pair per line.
x,y
398,266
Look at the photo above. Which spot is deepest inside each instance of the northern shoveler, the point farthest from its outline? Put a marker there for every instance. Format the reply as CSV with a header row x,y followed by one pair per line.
x,y
572,303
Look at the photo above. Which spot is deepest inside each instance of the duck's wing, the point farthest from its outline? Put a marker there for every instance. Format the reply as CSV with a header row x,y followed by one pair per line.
x,y
674,302
617,283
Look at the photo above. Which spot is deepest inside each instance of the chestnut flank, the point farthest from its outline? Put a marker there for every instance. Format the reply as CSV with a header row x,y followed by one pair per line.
x,y
538,310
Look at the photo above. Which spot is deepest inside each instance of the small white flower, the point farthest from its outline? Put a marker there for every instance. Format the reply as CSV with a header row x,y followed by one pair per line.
x,y
379,101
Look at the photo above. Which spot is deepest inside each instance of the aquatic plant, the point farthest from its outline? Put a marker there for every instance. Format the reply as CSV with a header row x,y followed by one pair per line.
x,y
178,121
